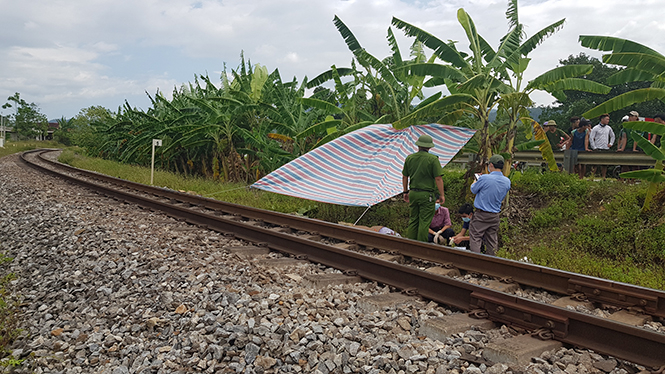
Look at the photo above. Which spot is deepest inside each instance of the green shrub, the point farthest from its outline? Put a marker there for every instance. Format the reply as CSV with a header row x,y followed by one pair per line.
x,y
557,212
550,185
619,232
560,256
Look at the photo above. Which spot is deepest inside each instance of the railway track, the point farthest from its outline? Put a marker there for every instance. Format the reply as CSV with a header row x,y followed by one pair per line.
x,y
347,249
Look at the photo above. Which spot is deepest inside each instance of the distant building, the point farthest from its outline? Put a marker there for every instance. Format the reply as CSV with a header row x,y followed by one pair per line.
x,y
10,134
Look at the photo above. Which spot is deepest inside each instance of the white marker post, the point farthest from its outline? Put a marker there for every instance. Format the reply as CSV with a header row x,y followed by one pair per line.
x,y
155,143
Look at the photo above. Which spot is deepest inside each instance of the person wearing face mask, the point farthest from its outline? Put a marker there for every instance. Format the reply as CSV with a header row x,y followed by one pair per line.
x,y
490,190
440,230
462,239
601,139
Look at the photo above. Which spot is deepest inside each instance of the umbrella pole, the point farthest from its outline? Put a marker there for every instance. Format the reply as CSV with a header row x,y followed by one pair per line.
x,y
361,216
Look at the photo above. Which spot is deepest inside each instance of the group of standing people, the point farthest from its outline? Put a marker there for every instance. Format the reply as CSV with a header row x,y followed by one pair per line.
x,y
423,190
599,138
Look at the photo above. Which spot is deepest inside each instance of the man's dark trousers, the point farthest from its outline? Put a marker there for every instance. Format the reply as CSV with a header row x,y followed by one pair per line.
x,y
484,227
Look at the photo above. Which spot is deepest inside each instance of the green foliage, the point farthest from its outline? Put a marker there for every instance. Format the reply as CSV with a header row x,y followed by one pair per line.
x,y
11,362
561,256
489,79
555,214
244,129
550,185
620,232
642,61
27,120
80,130
574,103
26,145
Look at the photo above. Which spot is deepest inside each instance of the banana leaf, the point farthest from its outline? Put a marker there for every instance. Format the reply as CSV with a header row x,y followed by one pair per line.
x,y
321,104
557,74
432,109
534,41
626,99
441,49
578,84
530,144
616,45
651,175
652,127
318,127
472,34
647,147
435,70
639,61
429,100
452,117
348,36
392,42
328,75
630,75
545,148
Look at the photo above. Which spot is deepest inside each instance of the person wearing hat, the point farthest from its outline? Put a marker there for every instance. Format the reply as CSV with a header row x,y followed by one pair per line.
x,y
490,190
555,136
625,140
421,179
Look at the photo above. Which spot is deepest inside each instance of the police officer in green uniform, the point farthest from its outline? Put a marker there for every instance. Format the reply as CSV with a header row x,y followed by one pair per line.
x,y
421,178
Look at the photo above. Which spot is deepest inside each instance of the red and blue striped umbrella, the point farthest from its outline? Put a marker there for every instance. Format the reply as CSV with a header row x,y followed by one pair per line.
x,y
363,167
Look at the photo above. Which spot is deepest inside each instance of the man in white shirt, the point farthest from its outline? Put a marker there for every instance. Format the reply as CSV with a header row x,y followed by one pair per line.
x,y
601,139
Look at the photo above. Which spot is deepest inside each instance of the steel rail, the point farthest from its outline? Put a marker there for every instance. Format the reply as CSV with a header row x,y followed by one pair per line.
x,y
601,335
595,289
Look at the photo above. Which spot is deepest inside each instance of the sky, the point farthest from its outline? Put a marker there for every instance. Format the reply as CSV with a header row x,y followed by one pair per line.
x,y
66,55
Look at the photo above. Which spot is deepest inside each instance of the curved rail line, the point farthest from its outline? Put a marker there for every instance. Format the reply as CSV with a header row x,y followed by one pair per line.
x,y
605,336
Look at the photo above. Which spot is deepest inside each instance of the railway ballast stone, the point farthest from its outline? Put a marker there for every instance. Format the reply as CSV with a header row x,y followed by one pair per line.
x,y
109,288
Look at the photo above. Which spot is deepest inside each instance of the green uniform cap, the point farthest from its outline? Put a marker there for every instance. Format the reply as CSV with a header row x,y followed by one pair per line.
x,y
425,141
495,159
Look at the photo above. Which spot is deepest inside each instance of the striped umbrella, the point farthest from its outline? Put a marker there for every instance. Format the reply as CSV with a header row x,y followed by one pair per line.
x,y
363,167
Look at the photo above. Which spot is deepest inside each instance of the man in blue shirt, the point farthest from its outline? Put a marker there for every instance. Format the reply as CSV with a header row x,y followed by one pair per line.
x,y
490,190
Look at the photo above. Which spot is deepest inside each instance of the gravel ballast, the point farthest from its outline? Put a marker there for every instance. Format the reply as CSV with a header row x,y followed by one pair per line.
x,y
110,288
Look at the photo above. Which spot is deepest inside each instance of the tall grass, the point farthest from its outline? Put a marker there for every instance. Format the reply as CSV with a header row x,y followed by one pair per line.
x,y
22,146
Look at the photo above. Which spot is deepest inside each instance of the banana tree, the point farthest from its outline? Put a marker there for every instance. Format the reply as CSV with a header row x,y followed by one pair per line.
x,y
348,114
641,64
485,79
383,93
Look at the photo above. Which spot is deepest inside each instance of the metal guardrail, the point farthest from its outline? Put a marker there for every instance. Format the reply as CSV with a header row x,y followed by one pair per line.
x,y
569,158
591,158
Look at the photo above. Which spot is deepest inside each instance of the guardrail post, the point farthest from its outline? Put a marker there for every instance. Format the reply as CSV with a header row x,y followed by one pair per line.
x,y
569,160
